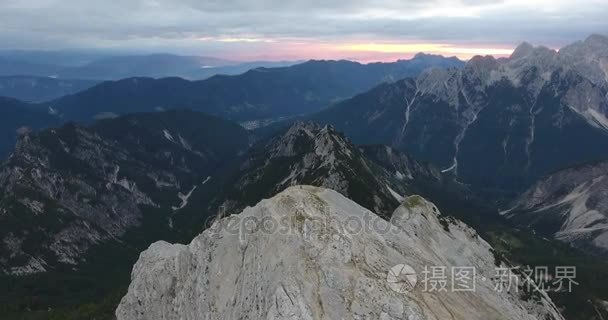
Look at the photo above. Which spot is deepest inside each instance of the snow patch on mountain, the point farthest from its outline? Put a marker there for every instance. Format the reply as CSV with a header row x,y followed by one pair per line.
x,y
408,108
184,143
599,118
401,176
184,198
452,167
168,135
397,196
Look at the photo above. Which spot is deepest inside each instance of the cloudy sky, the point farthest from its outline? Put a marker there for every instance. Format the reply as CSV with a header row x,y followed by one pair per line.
x,y
287,29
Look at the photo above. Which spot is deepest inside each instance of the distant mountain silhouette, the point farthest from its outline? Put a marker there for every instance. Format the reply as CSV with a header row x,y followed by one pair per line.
x,y
257,94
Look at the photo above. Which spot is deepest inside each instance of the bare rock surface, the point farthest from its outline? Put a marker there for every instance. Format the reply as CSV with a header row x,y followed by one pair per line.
x,y
569,205
317,264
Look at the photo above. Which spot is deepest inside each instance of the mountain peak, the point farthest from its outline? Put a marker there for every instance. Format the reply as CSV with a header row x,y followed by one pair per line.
x,y
303,126
522,50
482,60
267,274
526,49
422,55
308,153
310,129
299,136
597,38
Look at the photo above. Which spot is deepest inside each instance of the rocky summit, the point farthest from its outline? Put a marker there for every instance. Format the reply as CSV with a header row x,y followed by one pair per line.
x,y
316,264
376,177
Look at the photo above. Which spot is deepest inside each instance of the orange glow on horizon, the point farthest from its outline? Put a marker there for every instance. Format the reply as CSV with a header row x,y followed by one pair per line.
x,y
461,52
363,51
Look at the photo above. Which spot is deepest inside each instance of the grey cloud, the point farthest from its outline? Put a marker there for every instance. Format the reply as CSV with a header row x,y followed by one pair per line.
x,y
71,23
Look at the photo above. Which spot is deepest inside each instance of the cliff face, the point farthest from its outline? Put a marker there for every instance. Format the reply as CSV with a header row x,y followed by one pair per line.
x,y
324,258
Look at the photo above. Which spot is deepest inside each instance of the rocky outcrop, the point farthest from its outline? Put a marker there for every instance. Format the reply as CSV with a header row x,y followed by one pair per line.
x,y
317,264
588,57
570,205
375,177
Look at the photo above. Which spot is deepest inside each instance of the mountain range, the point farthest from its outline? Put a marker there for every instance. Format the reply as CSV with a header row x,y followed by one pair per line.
x,y
79,201
101,66
258,94
535,112
74,195
40,89
66,189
